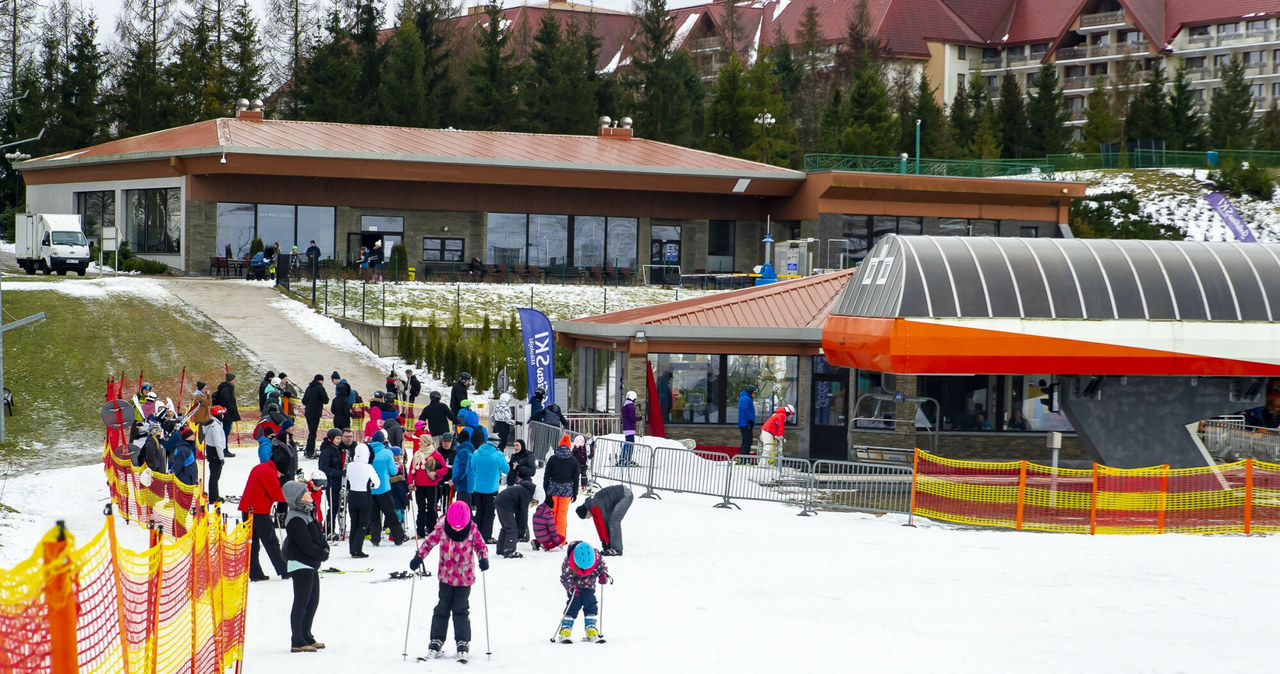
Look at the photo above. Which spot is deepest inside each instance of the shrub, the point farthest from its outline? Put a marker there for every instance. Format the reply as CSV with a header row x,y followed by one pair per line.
x,y
399,262
1117,215
1241,179
255,246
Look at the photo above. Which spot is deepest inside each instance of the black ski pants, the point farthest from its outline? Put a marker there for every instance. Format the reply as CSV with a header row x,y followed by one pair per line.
x,y
456,601
483,506
264,536
385,508
510,531
360,507
306,598
425,497
748,435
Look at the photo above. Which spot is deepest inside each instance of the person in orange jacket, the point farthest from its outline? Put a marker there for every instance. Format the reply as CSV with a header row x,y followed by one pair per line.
x,y
773,428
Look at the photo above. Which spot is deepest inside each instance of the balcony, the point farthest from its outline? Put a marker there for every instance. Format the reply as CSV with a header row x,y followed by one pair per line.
x,y
706,44
1131,48
1260,35
1077,83
1255,68
1072,53
1102,19
1077,115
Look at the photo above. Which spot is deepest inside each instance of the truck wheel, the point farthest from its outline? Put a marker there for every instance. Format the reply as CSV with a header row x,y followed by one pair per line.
x,y
62,272
44,269
80,271
29,268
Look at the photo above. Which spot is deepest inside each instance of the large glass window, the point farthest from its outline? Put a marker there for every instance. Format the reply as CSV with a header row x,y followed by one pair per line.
x,y
720,239
775,379
601,376
235,229
275,225
621,246
588,241
442,250
97,210
689,390
153,219
316,223
505,233
548,240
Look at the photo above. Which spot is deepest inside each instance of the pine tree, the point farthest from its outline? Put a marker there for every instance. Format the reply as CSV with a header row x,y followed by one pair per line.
x,y
783,66
933,123
870,127
488,106
814,90
985,144
963,122
242,56
370,54
560,90
672,95
141,96
438,90
1047,115
327,77
1231,110
832,122
291,33
1267,136
198,81
1011,119
81,122
729,120
39,76
902,99
18,29
1101,126
861,45
402,100
1148,117
1186,131
774,144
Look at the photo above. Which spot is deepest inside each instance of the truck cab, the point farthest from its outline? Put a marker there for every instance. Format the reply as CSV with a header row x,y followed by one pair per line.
x,y
51,243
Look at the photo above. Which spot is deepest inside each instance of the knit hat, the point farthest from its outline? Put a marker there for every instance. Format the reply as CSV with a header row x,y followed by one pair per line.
x,y
335,375
271,374
200,386
582,511
447,437
334,433
319,378
379,437
286,424
564,442
230,377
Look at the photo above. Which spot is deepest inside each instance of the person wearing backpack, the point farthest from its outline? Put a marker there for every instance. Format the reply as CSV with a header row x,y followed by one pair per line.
x,y
305,549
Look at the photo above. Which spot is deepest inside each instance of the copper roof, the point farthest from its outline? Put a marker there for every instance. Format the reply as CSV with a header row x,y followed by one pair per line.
x,y
795,309
324,140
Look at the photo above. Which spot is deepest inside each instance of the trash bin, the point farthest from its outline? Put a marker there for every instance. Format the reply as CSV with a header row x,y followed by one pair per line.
x,y
1212,157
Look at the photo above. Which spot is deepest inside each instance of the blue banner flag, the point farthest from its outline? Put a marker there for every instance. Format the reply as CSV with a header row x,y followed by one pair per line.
x,y
1231,218
539,351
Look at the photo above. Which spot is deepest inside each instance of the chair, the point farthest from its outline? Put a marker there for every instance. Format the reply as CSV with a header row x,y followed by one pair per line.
x,y
535,274
218,266
491,273
626,275
610,274
597,275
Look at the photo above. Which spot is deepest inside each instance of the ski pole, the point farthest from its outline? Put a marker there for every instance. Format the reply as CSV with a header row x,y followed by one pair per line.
x,y
567,604
600,618
484,589
413,584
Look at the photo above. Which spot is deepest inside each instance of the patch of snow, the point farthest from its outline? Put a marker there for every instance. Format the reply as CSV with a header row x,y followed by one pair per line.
x,y
99,288
324,329
10,248
683,32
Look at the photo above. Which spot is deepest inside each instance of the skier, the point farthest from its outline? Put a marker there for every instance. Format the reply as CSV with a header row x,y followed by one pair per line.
x,y
772,429
502,420
607,507
184,458
215,444
439,417
488,467
460,469
426,470
560,482
630,420
545,536
459,392
361,478
458,539
313,402
581,568
306,550
332,459
583,454
513,513
261,493
746,419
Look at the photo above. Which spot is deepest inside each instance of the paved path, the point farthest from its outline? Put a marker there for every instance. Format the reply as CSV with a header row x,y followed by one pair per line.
x,y
243,309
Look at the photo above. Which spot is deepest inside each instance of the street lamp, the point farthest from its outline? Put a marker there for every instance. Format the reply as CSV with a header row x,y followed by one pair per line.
x,y
14,158
917,147
765,120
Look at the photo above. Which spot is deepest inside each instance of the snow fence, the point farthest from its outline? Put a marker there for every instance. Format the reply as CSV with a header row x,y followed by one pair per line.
x,y
178,606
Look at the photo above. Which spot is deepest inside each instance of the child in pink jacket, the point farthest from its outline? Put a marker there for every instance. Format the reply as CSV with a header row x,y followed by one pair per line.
x,y
458,539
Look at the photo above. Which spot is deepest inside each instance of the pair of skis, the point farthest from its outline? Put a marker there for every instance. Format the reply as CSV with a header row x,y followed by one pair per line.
x,y
462,657
598,639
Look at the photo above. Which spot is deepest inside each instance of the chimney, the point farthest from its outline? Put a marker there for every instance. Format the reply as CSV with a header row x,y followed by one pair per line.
x,y
620,130
250,111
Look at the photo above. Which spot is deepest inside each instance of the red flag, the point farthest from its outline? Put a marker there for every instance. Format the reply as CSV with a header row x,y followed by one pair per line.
x,y
656,426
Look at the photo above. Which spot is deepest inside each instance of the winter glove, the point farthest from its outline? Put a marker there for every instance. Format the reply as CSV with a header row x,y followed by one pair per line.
x,y
606,579
415,562
484,563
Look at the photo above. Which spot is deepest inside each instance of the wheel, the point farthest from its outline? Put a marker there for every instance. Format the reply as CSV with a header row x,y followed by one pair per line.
x,y
29,268
62,272
80,271
43,268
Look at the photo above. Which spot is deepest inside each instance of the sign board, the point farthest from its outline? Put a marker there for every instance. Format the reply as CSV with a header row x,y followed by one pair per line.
x,y
110,238
671,252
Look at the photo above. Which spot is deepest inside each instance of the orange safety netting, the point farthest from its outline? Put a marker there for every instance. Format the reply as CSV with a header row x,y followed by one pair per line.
x,y
1239,497
176,607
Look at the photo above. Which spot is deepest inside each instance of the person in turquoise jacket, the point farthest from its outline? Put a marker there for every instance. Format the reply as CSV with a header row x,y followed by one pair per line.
x,y
461,470
384,507
488,467
264,444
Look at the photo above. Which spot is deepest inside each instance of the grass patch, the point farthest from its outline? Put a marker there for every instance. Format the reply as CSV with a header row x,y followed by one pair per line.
x,y
58,370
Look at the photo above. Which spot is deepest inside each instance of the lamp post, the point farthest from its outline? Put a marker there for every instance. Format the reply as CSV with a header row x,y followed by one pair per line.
x,y
765,120
917,147
14,158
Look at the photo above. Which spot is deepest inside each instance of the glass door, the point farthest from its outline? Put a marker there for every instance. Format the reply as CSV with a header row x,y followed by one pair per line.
x,y
828,436
664,253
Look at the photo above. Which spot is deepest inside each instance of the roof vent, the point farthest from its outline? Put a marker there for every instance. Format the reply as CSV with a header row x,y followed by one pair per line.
x,y
620,129
250,111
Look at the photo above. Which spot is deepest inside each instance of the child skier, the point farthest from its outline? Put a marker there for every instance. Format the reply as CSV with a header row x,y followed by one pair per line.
x,y
545,536
458,538
582,566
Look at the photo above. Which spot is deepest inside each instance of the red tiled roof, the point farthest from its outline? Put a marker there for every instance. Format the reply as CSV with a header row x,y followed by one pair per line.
x,y
1039,21
911,24
1181,13
282,137
800,303
833,17
985,17
614,29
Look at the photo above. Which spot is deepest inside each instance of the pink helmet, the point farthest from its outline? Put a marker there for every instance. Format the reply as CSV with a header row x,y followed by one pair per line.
x,y
458,516
419,425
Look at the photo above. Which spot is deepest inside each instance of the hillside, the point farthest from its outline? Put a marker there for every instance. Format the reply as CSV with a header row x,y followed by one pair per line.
x,y
1176,197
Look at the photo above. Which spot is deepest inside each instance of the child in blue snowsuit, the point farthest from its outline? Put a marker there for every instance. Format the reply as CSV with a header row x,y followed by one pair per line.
x,y
583,565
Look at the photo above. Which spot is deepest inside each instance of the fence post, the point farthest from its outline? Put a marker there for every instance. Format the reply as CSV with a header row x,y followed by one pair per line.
x,y
157,545
1093,502
1164,497
653,463
807,508
364,288
915,472
59,596
1248,495
1022,493
115,578
344,298
194,530
728,482
384,303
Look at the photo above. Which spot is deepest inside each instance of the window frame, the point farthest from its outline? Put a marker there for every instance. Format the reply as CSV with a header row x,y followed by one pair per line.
x,y
444,241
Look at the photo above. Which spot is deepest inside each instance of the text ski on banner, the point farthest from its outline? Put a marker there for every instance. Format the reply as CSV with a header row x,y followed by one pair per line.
x,y
1228,213
539,352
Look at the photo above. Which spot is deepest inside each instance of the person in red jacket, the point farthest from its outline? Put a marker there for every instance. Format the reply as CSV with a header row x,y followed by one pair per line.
x,y
773,429
261,492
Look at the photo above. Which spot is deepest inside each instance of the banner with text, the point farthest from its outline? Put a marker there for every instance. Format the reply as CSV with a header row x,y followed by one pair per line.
x,y
539,352
1228,213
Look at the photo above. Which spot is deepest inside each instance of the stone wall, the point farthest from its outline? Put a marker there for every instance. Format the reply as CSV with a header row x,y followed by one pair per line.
x,y
200,239
992,446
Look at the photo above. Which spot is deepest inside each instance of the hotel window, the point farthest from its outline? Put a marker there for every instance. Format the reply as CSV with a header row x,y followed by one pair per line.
x,y
1252,58
97,209
961,53
1195,62
153,220
1031,82
720,240
1228,28
1017,53
1039,49
1198,31
1256,24
1257,91
436,249
1275,90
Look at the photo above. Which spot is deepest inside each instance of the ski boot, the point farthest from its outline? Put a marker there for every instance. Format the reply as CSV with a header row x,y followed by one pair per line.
x,y
566,631
593,633
463,647
435,650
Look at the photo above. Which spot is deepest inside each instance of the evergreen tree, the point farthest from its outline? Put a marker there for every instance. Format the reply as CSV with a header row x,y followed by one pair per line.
x,y
197,79
1101,126
402,101
902,99
985,144
40,77
963,122
670,105
291,34
861,45
370,54
1267,136
1011,119
1186,131
327,77
770,144
438,90
242,56
560,89
141,95
80,120
783,66
488,107
807,36
832,122
729,120
1047,115
933,123
814,90
1231,110
1148,117
870,126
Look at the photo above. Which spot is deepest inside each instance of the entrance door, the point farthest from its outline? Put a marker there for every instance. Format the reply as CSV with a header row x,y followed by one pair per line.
x,y
664,249
828,435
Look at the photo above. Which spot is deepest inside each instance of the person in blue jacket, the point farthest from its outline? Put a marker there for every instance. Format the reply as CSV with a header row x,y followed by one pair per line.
x,y
747,418
488,467
461,469
384,464
468,417
264,444
258,266
184,458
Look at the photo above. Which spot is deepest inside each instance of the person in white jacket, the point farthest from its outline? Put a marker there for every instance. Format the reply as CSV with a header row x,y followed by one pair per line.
x,y
361,477
215,450
502,419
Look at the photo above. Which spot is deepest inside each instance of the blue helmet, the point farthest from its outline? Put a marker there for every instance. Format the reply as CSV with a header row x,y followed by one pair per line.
x,y
584,557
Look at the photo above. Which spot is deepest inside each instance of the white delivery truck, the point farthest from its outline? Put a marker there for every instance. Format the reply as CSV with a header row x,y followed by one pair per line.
x,y
51,243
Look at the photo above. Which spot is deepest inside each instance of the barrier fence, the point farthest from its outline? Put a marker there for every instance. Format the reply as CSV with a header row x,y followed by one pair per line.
x,y
1233,440
99,609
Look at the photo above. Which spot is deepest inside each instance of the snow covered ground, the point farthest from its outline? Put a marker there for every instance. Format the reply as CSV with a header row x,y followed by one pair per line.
x,y
762,590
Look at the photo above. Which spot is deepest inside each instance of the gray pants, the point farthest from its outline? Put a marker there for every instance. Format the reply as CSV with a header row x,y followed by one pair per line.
x,y
613,522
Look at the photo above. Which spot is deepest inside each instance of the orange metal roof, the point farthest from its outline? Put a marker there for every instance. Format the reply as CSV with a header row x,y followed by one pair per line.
x,y
800,303
324,140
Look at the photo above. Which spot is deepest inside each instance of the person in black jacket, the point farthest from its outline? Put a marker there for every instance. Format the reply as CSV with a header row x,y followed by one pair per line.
x,y
522,464
607,507
459,393
332,460
513,515
550,415
306,550
438,416
262,388
415,387
341,406
313,401
226,397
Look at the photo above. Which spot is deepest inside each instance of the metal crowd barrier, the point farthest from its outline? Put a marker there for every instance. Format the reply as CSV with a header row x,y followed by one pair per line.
x,y
1232,440
542,439
590,424
867,487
